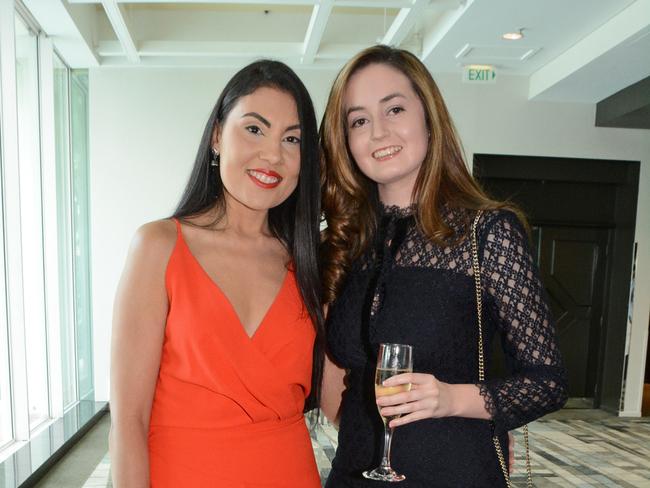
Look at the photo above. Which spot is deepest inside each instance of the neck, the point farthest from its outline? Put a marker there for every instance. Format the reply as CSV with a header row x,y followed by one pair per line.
x,y
396,195
244,221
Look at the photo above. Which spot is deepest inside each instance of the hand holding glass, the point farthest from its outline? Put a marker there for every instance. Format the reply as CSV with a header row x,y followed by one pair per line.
x,y
393,359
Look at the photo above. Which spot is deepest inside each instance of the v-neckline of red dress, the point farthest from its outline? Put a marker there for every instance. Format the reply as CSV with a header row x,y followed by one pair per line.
x,y
229,304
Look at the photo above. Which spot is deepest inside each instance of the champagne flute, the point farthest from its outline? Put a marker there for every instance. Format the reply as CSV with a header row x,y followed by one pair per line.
x,y
393,359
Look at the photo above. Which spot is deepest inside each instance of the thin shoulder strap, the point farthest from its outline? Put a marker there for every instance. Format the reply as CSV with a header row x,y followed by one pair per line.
x,y
476,268
179,234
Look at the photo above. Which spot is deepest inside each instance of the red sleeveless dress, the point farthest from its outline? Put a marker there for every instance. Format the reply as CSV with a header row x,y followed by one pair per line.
x,y
227,409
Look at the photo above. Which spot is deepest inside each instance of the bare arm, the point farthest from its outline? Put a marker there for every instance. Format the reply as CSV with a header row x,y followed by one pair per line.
x,y
139,316
332,391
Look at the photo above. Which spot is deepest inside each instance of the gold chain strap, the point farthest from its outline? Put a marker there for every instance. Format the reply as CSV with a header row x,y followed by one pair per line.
x,y
476,268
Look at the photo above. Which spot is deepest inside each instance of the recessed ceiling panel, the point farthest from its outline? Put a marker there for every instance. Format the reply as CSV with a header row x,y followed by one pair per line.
x,y
348,25
219,22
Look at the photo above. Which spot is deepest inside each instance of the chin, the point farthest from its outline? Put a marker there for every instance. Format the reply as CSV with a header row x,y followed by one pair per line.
x,y
268,205
260,206
394,175
389,179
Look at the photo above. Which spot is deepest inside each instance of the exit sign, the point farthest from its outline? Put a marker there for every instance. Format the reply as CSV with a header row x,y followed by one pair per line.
x,y
479,74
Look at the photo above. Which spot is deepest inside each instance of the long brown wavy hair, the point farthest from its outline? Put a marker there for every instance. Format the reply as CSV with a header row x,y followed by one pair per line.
x,y
349,198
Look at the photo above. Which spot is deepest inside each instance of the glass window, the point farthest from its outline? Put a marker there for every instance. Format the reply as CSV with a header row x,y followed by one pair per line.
x,y
81,225
46,364
27,98
6,424
62,144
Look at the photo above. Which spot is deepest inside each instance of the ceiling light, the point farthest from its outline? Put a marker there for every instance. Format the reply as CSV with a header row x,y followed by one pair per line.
x,y
514,36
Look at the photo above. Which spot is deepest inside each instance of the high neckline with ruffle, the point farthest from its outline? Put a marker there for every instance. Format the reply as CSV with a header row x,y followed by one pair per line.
x,y
396,211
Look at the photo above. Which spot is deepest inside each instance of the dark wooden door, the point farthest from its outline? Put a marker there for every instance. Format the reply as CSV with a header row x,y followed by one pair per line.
x,y
583,214
572,266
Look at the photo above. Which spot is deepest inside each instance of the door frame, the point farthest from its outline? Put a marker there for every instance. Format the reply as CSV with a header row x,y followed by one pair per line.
x,y
624,175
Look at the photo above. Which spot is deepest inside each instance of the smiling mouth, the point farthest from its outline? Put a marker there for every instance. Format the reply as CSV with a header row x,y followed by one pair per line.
x,y
386,152
265,179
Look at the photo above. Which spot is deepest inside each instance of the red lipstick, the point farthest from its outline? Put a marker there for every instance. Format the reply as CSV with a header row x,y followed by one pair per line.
x,y
264,178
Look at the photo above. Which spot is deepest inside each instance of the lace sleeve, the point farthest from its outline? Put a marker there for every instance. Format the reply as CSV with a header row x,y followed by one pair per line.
x,y
515,301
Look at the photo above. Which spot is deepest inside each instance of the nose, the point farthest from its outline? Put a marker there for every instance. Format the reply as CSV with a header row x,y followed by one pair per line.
x,y
378,129
272,152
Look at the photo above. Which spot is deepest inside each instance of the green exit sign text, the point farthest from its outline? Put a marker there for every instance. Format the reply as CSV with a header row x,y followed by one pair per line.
x,y
479,74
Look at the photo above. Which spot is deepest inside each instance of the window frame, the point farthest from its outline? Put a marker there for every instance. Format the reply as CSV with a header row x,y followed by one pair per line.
x,y
57,230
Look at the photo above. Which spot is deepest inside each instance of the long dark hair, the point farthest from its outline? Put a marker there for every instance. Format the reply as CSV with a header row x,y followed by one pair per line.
x,y
295,222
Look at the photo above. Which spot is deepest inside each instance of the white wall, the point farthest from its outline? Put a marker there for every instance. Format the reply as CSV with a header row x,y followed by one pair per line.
x,y
145,125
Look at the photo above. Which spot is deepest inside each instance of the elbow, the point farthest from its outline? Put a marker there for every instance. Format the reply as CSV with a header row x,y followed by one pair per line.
x,y
124,428
331,410
332,416
128,416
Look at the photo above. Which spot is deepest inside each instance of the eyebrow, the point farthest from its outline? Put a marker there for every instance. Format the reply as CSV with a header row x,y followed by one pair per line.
x,y
258,117
267,123
387,98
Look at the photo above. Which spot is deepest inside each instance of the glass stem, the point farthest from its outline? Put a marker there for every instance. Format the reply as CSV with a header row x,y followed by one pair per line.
x,y
388,437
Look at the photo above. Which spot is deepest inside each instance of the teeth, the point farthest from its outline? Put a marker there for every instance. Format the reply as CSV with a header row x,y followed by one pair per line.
x,y
387,151
264,178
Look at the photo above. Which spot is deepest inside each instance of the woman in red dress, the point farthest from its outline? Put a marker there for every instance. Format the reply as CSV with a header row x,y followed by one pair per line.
x,y
218,309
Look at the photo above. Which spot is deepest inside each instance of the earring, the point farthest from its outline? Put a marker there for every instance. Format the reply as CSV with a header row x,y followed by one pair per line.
x,y
215,158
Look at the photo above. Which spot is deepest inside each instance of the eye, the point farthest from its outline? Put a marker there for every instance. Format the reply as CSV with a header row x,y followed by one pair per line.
x,y
292,139
358,123
395,110
253,129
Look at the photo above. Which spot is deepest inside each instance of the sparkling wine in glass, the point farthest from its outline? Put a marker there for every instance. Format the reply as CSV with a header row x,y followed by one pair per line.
x,y
393,359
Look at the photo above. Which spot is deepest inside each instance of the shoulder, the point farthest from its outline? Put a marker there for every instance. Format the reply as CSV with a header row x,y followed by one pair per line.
x,y
154,241
499,220
144,272
503,221
502,229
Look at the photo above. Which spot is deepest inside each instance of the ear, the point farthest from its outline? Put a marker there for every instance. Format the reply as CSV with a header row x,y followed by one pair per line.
x,y
216,137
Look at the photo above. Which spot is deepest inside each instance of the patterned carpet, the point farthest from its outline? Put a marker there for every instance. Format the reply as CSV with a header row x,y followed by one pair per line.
x,y
610,452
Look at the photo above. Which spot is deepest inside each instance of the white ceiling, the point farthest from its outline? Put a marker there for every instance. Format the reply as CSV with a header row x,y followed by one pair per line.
x,y
577,50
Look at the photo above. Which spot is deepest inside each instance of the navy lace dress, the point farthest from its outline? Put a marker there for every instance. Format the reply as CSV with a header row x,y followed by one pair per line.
x,y
405,289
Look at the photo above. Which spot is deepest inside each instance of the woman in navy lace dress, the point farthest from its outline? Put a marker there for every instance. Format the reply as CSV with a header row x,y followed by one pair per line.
x,y
399,203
